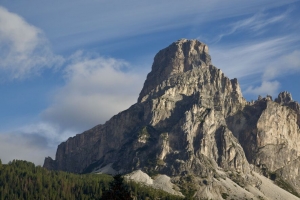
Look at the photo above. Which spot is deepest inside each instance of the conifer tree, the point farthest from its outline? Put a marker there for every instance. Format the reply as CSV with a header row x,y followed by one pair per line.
x,y
117,190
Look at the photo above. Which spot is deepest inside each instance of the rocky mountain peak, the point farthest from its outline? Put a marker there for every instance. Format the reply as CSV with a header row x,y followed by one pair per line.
x,y
181,56
284,97
192,123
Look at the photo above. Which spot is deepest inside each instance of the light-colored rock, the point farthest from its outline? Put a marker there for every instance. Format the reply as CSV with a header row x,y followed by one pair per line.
x,y
191,120
140,177
270,135
179,57
162,182
272,191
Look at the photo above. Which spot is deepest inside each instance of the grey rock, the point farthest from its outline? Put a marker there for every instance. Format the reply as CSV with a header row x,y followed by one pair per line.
x,y
284,98
269,134
179,57
190,120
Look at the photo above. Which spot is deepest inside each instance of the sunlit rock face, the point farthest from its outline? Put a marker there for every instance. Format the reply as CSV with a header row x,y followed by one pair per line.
x,y
190,119
179,57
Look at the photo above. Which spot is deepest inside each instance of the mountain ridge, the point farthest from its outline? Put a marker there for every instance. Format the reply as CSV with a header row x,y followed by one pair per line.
x,y
190,119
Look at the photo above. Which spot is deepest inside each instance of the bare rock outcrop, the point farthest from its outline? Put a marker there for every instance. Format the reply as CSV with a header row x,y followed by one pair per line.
x,y
179,57
285,99
192,123
270,135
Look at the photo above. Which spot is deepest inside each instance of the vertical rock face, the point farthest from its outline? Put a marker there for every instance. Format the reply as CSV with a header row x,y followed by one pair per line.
x,y
285,99
190,119
270,135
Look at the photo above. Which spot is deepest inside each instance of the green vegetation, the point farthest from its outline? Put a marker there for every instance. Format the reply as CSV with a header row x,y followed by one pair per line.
x,y
164,136
224,195
160,162
238,179
260,198
142,192
117,190
143,133
188,186
23,180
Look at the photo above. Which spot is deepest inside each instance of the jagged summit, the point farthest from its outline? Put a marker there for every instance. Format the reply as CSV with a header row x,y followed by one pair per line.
x,y
179,57
192,123
284,97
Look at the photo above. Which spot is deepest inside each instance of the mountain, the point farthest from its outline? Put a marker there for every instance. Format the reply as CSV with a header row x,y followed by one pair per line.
x,y
192,124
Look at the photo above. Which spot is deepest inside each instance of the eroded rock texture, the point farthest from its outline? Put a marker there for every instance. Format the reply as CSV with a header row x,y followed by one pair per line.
x,y
190,119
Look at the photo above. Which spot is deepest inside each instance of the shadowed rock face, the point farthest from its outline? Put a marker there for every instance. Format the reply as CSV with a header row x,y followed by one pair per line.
x,y
190,119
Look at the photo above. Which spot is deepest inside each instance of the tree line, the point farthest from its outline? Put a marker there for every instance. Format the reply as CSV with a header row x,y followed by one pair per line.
x,y
23,180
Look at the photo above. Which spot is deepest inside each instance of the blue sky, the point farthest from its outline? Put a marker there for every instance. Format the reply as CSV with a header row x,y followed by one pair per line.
x,y
66,66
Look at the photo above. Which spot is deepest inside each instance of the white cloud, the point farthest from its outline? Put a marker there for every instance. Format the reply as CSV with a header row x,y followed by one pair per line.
x,y
24,49
116,20
251,58
52,133
265,52
259,61
293,60
256,24
32,142
266,88
96,88
30,147
287,64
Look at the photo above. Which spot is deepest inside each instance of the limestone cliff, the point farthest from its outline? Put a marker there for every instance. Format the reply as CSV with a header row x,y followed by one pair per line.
x,y
191,120
270,135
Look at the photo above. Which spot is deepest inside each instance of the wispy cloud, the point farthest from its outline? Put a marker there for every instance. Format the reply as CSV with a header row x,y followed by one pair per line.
x,y
258,22
250,58
261,61
269,52
286,64
266,88
116,20
254,25
96,88
24,49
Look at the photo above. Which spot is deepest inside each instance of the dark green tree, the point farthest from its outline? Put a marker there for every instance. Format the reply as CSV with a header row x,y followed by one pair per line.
x,y
23,180
117,190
